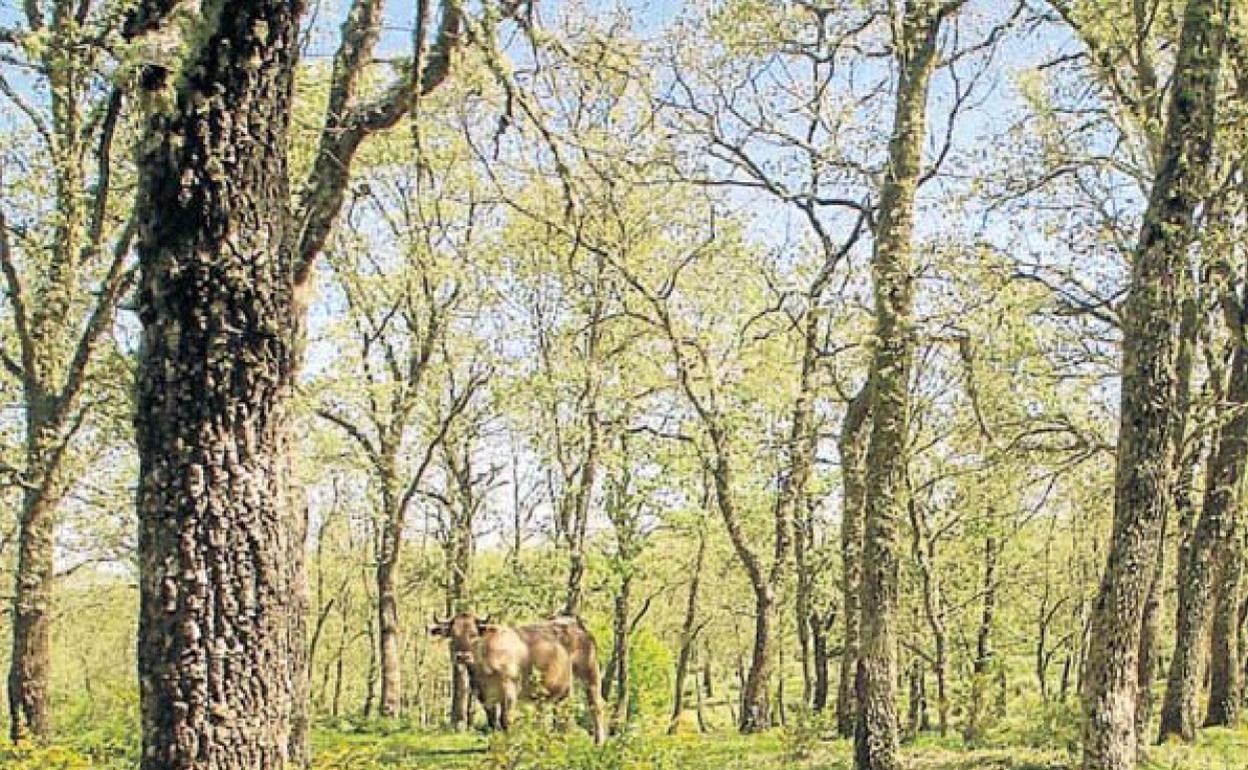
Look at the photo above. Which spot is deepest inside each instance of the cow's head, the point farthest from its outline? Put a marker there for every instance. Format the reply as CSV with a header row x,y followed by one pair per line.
x,y
462,631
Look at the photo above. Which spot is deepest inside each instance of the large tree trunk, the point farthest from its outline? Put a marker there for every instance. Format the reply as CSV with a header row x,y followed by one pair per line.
x,y
215,374
1150,395
876,729
1150,634
1225,685
1180,507
297,628
30,664
461,697
855,430
1211,540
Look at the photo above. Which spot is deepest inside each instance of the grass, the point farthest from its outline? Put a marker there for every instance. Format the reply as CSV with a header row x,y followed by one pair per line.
x,y
530,747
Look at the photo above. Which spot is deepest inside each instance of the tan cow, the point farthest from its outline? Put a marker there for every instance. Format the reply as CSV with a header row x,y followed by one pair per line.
x,y
535,662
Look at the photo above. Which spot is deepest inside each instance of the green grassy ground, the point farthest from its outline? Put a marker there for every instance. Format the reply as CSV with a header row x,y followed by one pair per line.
x,y
1216,750
540,749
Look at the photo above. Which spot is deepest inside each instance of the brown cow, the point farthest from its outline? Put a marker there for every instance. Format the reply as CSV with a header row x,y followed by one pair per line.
x,y
533,662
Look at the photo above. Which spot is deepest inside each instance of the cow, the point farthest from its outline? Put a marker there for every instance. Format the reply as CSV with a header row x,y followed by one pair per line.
x,y
536,662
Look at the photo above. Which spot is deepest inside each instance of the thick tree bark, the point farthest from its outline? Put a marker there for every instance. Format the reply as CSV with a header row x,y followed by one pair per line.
x,y
1150,395
855,430
30,665
1225,676
1150,633
1211,540
297,626
215,376
876,729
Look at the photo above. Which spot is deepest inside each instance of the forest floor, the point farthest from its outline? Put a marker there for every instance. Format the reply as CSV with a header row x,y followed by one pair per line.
x,y
1215,750
533,749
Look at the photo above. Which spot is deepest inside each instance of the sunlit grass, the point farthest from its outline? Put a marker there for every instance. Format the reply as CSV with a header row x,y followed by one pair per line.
x,y
533,746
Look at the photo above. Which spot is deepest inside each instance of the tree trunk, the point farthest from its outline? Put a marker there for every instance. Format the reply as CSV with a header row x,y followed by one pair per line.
x,y
388,635
1211,540
777,717
215,375
297,627
803,541
703,725
1150,633
461,697
923,548
1150,396
855,430
688,632
754,715
755,706
875,734
708,677
56,320
1225,686
459,549
819,627
981,666
370,678
916,717
32,606
619,652
576,524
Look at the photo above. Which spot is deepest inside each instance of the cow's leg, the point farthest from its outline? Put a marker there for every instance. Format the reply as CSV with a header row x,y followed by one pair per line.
x,y
560,714
506,709
592,682
491,716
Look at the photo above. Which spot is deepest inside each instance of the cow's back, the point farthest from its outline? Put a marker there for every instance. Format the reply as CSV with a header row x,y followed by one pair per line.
x,y
549,672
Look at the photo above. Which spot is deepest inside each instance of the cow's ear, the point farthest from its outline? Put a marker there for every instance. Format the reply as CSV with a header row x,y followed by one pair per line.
x,y
437,629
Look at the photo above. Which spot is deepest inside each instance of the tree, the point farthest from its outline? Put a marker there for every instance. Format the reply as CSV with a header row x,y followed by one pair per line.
x,y
465,488
221,254
875,735
1150,387
65,270
215,374
388,396
855,428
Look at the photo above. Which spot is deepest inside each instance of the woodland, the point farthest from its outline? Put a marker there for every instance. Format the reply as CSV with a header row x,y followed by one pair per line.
x,y
868,377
